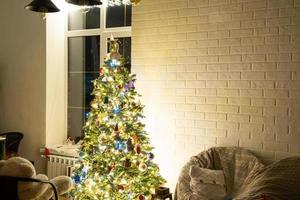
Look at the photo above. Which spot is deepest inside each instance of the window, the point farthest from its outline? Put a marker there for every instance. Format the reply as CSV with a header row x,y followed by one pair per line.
x,y
88,35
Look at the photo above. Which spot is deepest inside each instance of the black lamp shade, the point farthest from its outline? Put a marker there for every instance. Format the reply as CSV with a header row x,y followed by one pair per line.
x,y
85,2
44,6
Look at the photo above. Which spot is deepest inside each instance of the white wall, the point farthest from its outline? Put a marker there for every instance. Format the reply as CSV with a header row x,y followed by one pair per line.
x,y
218,73
22,76
56,80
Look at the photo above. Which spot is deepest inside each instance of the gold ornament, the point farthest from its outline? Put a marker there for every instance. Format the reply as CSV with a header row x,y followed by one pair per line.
x,y
135,138
135,2
113,49
143,167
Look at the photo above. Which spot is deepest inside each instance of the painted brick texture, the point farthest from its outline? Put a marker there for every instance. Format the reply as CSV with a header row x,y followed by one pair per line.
x,y
218,73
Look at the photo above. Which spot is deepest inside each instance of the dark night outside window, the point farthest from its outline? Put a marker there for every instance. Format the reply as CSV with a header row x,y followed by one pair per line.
x,y
118,16
83,56
79,20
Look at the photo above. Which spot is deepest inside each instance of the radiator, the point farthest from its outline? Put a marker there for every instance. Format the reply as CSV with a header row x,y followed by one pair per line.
x,y
59,165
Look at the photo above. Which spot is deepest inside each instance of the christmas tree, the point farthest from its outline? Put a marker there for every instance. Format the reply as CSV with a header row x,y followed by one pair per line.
x,y
115,161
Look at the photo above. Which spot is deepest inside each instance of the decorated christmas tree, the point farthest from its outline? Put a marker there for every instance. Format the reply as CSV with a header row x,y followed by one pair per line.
x,y
116,159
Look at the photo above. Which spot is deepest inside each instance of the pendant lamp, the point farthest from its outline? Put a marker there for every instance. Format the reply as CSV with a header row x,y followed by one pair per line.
x,y
43,6
85,2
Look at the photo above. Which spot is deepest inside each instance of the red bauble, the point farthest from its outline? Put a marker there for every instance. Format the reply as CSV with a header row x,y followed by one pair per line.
x,y
110,168
141,197
138,149
127,163
117,127
116,130
120,187
101,71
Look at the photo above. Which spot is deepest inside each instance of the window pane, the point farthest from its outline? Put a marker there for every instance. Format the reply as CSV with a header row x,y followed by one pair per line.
x,y
83,66
84,54
79,20
118,16
75,122
80,89
76,90
79,99
125,50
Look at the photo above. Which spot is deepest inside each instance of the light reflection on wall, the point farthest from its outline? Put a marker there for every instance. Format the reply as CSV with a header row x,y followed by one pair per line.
x,y
160,125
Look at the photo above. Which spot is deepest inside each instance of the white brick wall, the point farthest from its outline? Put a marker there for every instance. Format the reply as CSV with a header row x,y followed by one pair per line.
x,y
218,73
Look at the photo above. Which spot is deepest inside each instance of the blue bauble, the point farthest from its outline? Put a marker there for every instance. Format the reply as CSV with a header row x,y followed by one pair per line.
x,y
77,179
113,63
116,110
119,145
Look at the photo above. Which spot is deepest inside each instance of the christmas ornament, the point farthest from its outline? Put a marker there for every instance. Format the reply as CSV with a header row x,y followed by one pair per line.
x,y
113,57
116,110
113,63
114,50
129,145
151,156
120,187
116,130
119,145
138,149
129,86
127,163
143,167
135,2
141,197
101,71
77,179
110,168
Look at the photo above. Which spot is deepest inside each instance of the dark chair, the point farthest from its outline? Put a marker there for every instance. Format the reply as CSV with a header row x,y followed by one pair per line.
x,y
9,187
13,140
